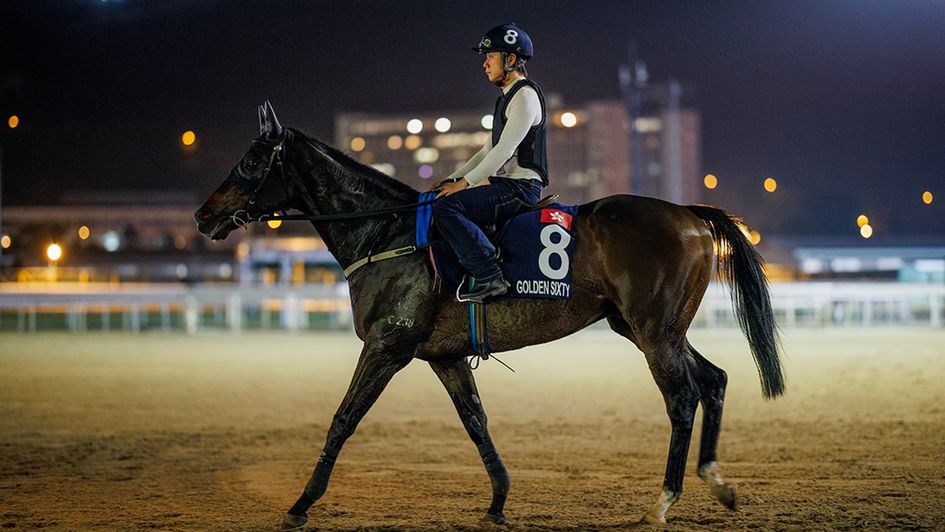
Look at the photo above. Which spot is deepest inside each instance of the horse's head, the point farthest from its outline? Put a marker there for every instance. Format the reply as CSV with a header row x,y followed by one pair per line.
x,y
256,186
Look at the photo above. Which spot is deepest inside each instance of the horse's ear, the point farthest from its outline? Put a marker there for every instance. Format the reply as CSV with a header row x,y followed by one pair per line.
x,y
263,129
268,123
275,126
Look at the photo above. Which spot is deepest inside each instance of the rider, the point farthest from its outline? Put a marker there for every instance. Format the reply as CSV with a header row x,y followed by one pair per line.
x,y
506,174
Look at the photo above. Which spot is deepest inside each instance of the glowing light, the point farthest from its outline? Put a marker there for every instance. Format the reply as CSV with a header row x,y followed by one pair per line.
x,y
862,220
754,236
394,142
442,124
6,241
274,224
426,155
111,241
927,197
412,142
569,119
426,171
866,231
84,232
180,242
188,138
357,144
770,184
710,181
384,168
54,252
13,121
414,126
486,121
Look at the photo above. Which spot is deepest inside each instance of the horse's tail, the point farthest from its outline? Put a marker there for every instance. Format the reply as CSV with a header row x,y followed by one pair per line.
x,y
739,265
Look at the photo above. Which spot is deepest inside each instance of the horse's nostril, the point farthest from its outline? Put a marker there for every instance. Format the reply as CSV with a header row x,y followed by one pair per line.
x,y
202,214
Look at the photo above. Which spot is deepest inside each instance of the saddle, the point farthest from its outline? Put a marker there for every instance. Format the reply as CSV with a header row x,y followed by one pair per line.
x,y
491,230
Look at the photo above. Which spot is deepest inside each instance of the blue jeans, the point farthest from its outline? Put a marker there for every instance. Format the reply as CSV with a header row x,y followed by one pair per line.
x,y
460,216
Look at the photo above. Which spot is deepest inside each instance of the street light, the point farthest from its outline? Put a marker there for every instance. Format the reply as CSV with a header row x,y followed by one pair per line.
x,y
770,184
188,138
13,121
54,252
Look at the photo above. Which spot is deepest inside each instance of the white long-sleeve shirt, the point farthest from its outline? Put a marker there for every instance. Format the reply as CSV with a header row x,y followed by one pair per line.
x,y
523,112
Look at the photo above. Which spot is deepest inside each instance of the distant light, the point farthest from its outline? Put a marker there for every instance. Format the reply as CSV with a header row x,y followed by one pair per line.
x,y
770,184
862,220
357,144
181,270
486,121
54,252
412,142
426,155
647,125
274,224
111,241
13,121
710,181
180,241
754,236
385,168
414,126
394,142
442,124
84,232
6,241
426,171
927,197
568,119
188,138
225,270
866,231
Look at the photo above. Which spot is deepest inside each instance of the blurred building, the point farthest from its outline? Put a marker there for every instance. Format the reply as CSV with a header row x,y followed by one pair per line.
x,y
665,138
589,147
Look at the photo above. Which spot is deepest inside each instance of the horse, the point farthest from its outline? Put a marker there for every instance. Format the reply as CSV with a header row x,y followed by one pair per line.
x,y
642,264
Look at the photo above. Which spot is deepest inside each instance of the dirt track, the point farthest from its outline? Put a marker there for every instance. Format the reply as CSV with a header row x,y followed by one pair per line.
x,y
221,432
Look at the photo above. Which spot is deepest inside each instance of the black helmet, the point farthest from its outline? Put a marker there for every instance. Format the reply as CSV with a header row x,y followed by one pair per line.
x,y
507,38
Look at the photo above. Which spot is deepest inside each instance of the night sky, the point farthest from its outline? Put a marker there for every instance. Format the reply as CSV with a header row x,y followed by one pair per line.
x,y
842,102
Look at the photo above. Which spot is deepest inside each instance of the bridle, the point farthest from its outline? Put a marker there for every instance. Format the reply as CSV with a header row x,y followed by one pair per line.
x,y
242,217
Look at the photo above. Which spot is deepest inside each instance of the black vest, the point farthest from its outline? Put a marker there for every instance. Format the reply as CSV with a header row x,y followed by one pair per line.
x,y
532,151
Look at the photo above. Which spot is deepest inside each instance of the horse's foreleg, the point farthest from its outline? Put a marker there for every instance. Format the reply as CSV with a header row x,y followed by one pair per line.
x,y
374,370
458,380
671,373
711,381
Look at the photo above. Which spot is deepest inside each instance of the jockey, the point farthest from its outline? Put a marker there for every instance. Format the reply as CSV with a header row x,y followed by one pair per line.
x,y
506,175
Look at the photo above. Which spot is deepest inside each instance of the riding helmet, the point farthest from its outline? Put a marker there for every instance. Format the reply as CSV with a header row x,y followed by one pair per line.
x,y
507,38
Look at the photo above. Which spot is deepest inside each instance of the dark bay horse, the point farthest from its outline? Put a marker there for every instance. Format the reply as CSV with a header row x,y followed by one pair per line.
x,y
640,263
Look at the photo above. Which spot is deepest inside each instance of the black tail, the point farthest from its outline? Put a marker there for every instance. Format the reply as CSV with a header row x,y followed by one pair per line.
x,y
741,267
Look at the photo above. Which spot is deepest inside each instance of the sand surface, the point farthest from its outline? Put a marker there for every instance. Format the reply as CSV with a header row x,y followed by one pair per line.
x,y
214,432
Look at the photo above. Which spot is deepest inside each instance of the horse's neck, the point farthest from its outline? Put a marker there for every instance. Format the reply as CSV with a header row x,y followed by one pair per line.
x,y
338,187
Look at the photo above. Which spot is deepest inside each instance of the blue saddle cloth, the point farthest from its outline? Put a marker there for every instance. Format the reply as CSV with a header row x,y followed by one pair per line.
x,y
534,249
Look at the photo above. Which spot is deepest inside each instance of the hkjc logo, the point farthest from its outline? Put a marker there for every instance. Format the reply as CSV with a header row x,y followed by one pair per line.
x,y
555,216
486,43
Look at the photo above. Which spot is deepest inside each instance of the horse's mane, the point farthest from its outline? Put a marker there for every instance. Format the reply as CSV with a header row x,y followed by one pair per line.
x,y
374,176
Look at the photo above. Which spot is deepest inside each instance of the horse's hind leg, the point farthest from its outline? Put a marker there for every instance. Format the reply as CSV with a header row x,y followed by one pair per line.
x,y
458,380
711,381
375,369
666,356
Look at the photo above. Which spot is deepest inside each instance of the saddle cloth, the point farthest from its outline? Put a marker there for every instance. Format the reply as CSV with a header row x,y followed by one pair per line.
x,y
535,250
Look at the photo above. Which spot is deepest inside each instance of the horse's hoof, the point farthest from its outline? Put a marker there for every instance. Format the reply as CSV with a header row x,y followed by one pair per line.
x,y
651,519
496,519
293,522
727,495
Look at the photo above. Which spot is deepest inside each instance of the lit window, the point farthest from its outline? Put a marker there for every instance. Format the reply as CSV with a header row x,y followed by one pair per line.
x,y
442,124
426,155
569,119
412,142
414,126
